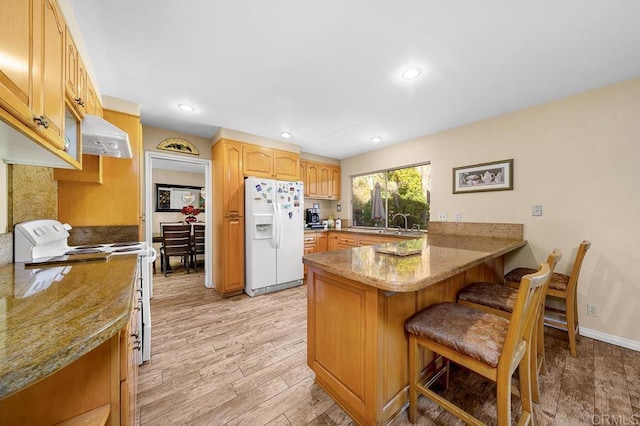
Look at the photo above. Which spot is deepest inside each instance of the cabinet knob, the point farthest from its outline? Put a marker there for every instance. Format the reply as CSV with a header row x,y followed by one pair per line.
x,y
41,121
79,101
136,335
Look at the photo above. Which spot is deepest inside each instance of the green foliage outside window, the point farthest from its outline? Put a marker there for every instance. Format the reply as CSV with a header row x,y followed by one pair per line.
x,y
404,190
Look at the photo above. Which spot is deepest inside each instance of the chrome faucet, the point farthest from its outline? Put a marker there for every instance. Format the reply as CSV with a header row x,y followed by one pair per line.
x,y
405,216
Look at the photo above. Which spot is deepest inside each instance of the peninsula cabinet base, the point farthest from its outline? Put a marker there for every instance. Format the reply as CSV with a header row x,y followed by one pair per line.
x,y
357,345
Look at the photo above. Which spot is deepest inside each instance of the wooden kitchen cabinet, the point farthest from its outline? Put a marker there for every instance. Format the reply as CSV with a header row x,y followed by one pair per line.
x,y
233,241
32,84
233,179
322,181
302,176
322,242
228,217
49,33
257,161
16,78
76,81
269,163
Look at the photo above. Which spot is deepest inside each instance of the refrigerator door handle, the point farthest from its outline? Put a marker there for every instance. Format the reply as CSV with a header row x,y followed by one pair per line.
x,y
276,225
279,229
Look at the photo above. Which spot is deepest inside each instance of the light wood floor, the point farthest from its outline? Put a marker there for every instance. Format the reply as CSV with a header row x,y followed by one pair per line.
x,y
242,361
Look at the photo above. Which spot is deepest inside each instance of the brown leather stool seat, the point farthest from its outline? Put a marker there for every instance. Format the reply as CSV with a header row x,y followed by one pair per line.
x,y
558,281
492,295
474,333
489,345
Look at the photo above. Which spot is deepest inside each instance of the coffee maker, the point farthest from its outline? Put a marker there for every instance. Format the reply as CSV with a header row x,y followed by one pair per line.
x,y
313,217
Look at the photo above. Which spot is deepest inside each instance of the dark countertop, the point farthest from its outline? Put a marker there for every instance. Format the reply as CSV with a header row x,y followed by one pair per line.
x,y
76,309
443,256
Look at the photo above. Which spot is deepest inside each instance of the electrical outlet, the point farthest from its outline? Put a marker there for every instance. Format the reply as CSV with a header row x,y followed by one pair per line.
x,y
458,216
442,216
536,210
592,310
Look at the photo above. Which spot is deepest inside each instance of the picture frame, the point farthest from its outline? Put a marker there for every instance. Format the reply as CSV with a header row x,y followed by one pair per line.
x,y
483,177
172,198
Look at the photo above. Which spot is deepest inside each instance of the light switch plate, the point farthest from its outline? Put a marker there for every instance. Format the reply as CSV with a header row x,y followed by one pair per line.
x,y
458,216
536,210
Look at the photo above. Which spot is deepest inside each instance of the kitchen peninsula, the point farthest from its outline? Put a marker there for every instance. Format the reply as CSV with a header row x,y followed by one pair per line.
x,y
359,300
69,351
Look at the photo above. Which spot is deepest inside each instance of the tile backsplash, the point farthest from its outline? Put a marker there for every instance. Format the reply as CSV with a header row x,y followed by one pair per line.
x,y
6,248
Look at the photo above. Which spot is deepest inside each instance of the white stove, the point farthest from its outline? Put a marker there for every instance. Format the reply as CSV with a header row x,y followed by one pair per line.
x,y
45,238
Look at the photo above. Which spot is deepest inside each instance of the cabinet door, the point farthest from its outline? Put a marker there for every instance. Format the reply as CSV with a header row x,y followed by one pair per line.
x,y
312,180
49,107
16,83
92,99
286,165
81,99
333,242
257,161
233,188
233,241
335,182
71,67
308,249
303,176
324,176
322,243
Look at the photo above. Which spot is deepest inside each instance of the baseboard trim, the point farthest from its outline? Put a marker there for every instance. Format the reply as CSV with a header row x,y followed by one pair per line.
x,y
610,338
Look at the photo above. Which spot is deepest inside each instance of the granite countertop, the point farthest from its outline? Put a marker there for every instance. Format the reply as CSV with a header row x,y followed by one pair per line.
x,y
50,317
442,256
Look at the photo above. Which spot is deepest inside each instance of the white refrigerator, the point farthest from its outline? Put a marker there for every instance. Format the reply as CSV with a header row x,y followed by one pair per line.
x,y
274,235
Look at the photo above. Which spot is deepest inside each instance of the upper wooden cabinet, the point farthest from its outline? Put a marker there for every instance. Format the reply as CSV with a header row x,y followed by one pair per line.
x,y
322,181
49,113
233,189
16,79
76,81
38,61
269,163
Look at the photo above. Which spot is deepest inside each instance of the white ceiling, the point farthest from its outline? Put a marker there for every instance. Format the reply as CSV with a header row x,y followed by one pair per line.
x,y
329,71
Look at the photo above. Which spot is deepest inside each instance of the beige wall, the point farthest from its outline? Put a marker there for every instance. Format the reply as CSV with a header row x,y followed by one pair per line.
x,y
175,178
578,157
152,136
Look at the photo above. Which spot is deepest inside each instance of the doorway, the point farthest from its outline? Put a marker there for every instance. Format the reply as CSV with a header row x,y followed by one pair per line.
x,y
160,161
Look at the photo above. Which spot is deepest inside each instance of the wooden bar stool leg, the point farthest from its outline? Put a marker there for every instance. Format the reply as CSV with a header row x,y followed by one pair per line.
x,y
540,345
413,378
571,329
526,390
503,401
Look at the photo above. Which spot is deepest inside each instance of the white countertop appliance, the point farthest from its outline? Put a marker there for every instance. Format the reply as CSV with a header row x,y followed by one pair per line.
x,y
274,240
45,238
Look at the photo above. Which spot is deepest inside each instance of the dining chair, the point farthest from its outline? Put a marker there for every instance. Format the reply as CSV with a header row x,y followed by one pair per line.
x,y
162,225
563,287
198,236
487,344
176,241
499,299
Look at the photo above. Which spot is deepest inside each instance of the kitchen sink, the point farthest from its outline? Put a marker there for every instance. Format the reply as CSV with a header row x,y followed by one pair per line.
x,y
393,231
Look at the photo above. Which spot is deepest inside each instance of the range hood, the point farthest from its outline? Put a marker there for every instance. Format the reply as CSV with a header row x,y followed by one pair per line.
x,y
99,137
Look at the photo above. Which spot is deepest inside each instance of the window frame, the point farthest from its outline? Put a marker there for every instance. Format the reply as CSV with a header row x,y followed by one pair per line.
x,y
386,200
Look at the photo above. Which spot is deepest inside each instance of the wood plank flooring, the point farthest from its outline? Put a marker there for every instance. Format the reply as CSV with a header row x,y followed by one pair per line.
x,y
242,361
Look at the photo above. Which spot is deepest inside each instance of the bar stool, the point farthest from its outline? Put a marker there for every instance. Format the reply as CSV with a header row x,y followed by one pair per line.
x,y
564,287
499,299
490,345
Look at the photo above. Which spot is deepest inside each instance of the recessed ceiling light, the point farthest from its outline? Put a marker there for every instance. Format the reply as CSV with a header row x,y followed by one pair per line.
x,y
411,73
285,135
376,139
186,107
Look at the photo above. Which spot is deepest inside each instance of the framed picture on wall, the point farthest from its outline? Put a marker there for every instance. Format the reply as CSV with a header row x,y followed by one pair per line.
x,y
172,198
493,176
